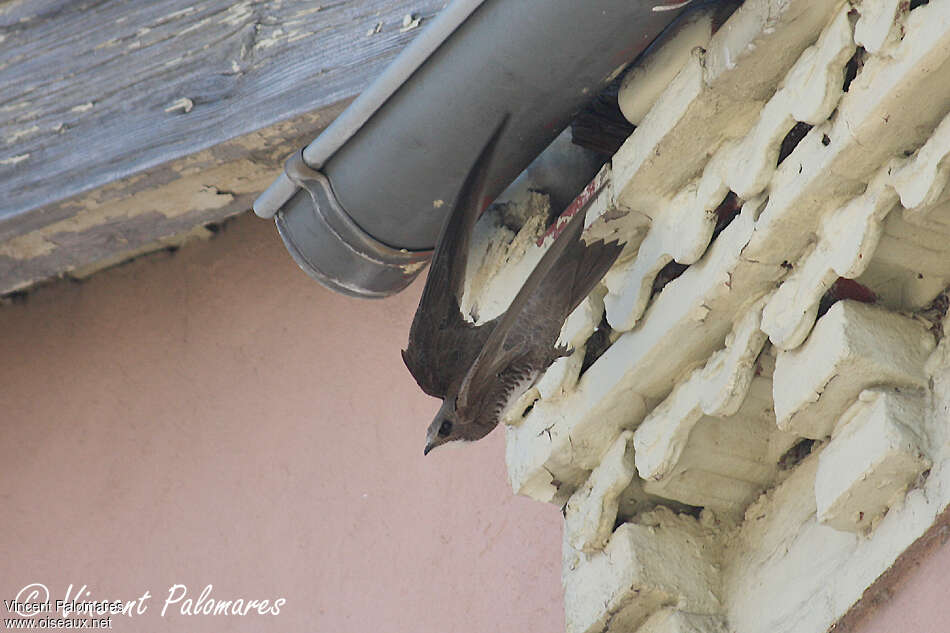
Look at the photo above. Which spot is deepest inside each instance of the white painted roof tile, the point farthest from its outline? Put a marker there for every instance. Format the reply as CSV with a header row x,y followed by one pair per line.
x,y
857,211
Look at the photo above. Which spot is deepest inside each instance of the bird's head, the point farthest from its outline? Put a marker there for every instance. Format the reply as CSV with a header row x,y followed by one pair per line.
x,y
445,426
449,425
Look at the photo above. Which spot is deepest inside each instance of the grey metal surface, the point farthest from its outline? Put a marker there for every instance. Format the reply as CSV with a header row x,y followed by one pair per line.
x,y
350,261
560,171
538,60
369,101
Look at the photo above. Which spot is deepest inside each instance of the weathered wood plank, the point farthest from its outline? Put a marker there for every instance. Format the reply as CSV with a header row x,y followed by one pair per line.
x,y
103,100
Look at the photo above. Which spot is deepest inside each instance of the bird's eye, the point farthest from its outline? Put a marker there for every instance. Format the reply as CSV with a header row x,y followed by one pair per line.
x,y
445,428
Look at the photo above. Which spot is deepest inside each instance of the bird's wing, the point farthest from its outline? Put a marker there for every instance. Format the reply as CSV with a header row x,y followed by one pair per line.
x,y
563,277
442,344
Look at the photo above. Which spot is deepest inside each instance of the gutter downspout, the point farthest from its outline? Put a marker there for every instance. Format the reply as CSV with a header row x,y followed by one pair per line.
x,y
360,208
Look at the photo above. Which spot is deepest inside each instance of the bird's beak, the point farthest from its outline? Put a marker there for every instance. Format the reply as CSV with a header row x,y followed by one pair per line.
x,y
428,448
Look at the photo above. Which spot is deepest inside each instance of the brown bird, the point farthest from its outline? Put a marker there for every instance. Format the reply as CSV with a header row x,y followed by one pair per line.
x,y
479,370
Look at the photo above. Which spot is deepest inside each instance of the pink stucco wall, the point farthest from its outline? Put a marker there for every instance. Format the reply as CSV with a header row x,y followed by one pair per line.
x,y
918,598
216,417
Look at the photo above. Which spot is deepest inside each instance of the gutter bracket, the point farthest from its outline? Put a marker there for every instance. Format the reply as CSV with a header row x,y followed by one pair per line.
x,y
337,252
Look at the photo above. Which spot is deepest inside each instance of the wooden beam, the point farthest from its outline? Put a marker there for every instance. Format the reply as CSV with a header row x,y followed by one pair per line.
x,y
122,123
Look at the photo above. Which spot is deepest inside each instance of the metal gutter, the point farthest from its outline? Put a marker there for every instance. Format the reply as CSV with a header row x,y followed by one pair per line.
x,y
390,165
368,102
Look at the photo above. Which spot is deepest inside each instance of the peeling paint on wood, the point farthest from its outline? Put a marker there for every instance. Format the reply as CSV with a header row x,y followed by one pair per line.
x,y
144,210
102,101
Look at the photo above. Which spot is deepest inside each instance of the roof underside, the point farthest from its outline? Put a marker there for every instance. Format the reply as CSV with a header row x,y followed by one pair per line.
x,y
127,127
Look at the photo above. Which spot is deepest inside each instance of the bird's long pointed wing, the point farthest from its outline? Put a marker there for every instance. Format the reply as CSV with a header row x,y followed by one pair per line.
x,y
442,344
564,276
